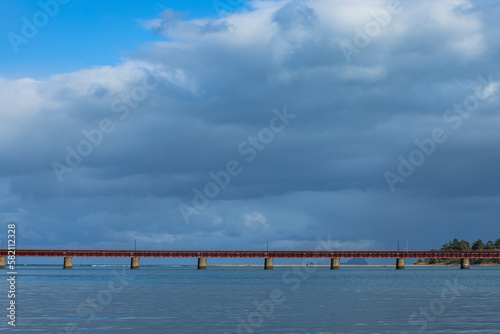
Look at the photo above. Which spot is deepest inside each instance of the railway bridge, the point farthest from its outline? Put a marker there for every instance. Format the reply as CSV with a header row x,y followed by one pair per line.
x,y
268,256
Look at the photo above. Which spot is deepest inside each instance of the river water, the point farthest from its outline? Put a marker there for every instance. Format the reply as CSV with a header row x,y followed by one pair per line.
x,y
181,299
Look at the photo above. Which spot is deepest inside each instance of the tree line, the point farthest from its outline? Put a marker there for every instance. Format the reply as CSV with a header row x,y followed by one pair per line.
x,y
476,245
466,245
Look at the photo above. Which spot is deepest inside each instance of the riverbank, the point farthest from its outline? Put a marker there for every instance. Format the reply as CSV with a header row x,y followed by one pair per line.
x,y
456,265
345,265
298,265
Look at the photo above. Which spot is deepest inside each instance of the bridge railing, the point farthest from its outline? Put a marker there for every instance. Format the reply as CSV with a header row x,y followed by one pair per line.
x,y
438,254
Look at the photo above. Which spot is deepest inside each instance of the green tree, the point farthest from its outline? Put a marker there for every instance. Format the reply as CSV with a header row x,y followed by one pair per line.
x,y
457,245
465,245
497,244
479,244
489,245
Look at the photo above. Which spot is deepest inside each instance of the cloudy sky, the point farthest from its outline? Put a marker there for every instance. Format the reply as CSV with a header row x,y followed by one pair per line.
x,y
223,124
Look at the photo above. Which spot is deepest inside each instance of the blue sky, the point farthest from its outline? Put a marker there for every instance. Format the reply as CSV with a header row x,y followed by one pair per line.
x,y
84,34
358,122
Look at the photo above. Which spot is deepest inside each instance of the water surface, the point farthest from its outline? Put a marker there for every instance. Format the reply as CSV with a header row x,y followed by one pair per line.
x,y
181,299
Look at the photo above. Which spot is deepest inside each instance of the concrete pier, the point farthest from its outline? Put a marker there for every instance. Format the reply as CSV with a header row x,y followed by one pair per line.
x,y
3,263
465,264
335,264
268,264
134,263
68,263
202,263
400,264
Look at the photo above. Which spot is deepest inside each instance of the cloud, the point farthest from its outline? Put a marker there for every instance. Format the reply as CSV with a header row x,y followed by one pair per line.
x,y
219,80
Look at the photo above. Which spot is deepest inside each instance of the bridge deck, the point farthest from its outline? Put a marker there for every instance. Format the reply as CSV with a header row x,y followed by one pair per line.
x,y
490,254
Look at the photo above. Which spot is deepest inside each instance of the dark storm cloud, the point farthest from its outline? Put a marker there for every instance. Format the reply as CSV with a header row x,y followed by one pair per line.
x,y
357,112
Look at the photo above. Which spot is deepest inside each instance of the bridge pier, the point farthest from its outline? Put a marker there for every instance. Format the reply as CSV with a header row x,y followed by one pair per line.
x,y
68,263
400,264
335,264
465,264
3,263
202,263
134,263
268,263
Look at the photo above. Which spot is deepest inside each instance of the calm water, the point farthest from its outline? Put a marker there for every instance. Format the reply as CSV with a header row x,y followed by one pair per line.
x,y
286,300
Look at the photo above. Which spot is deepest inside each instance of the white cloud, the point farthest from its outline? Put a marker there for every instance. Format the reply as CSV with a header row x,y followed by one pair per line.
x,y
221,79
254,221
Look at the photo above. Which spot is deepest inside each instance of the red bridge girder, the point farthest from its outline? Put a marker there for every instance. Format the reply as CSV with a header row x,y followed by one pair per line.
x,y
490,254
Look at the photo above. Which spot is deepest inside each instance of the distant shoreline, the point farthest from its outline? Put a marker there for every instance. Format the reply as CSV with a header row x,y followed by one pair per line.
x,y
349,265
455,265
276,265
300,265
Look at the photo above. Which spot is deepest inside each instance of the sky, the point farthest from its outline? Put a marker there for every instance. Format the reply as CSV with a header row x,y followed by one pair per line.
x,y
227,124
